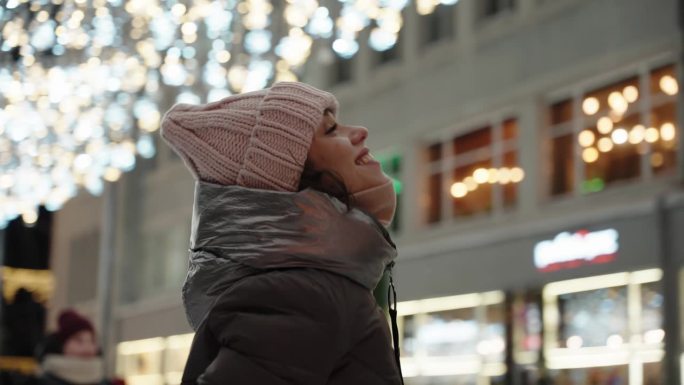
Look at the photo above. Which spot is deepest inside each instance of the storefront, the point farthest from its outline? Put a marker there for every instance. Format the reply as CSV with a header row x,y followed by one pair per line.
x,y
579,305
153,361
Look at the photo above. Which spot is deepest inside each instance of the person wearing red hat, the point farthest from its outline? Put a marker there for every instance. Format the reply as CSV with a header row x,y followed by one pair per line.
x,y
288,242
70,355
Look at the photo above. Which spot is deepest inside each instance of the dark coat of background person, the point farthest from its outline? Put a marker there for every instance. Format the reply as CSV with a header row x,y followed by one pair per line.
x,y
23,321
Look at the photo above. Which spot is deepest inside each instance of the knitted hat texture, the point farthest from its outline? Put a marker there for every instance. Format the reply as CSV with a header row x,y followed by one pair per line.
x,y
69,323
257,139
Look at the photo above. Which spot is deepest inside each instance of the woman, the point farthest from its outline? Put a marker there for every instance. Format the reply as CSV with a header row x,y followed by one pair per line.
x,y
287,242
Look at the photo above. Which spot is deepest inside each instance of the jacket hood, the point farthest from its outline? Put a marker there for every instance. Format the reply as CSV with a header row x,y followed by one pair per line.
x,y
239,231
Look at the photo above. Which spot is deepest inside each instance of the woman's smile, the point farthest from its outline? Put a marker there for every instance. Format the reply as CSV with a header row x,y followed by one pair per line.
x,y
365,158
336,146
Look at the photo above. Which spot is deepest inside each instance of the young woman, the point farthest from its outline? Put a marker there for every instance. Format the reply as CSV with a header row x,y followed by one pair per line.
x,y
287,243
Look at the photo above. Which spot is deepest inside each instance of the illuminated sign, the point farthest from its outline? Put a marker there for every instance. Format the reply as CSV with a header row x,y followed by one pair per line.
x,y
568,250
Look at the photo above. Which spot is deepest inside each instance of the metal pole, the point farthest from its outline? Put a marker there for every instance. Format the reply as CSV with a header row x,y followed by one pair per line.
x,y
670,267
106,271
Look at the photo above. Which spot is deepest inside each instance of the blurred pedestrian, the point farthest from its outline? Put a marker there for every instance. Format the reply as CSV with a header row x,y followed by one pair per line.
x,y
24,320
288,241
70,355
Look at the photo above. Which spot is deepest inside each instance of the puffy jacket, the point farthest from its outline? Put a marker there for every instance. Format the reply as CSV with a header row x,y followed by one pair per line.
x,y
280,291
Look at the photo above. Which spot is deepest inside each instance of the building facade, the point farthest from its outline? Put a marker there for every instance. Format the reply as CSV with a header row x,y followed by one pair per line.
x,y
537,155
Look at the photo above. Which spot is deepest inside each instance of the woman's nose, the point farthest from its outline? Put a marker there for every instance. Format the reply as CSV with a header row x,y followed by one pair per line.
x,y
358,134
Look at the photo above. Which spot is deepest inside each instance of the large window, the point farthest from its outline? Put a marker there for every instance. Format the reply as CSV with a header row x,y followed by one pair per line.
x,y
160,263
153,361
618,132
341,71
454,340
437,25
599,326
475,172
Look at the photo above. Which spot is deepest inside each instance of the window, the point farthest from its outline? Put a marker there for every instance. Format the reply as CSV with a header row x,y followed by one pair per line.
x,y
437,25
469,330
489,8
341,70
160,260
617,315
392,167
389,56
620,134
480,168
604,309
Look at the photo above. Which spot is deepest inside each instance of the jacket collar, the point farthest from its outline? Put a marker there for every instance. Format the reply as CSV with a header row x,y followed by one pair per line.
x,y
263,229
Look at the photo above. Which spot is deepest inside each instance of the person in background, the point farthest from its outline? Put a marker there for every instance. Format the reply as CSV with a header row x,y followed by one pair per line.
x,y
71,356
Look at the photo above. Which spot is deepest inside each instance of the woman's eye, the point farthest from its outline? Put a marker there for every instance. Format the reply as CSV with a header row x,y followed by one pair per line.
x,y
331,129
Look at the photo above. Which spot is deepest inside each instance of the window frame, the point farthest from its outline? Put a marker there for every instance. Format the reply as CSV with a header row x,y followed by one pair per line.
x,y
579,121
448,162
446,32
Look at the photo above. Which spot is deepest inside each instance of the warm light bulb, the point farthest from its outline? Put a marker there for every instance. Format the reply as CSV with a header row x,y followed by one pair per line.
x,y
517,174
493,176
470,183
590,105
586,138
605,144
425,7
29,217
631,93
505,175
637,134
481,175
667,131
604,125
590,155
112,174
459,190
669,85
652,135
617,102
619,136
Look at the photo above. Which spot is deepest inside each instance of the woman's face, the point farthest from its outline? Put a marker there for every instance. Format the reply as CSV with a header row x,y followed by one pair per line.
x,y
341,149
81,344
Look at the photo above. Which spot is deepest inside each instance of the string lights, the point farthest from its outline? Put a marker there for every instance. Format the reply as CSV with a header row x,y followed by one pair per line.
x,y
83,84
611,133
481,176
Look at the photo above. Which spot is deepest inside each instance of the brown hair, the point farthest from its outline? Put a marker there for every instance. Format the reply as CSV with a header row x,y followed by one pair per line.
x,y
324,181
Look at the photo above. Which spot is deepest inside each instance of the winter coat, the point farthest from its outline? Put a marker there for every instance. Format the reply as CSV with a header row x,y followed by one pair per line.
x,y
279,290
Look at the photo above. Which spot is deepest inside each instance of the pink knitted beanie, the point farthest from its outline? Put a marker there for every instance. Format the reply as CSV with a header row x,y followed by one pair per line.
x,y
258,139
